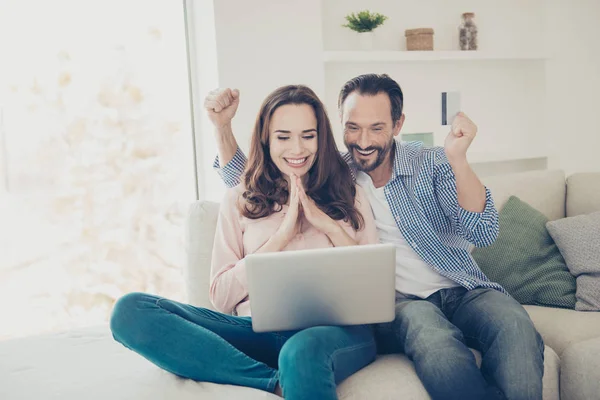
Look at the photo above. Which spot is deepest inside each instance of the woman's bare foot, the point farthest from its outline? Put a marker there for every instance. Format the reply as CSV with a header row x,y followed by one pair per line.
x,y
278,390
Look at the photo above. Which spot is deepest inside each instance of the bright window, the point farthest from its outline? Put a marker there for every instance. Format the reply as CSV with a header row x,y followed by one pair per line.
x,y
96,158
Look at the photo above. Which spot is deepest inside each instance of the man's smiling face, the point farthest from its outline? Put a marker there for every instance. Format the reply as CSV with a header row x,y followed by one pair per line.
x,y
368,129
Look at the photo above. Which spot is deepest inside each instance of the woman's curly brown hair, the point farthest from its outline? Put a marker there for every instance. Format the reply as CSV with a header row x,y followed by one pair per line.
x,y
329,182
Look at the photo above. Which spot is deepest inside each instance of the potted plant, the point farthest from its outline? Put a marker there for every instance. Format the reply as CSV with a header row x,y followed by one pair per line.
x,y
364,23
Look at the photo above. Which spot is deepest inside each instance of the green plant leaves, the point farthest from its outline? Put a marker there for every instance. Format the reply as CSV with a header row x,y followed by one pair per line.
x,y
364,21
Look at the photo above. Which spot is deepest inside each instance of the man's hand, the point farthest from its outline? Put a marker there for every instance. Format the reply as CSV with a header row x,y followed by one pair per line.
x,y
221,106
460,138
470,192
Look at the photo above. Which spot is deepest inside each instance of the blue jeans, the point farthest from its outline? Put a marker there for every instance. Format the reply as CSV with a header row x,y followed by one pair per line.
x,y
205,345
436,333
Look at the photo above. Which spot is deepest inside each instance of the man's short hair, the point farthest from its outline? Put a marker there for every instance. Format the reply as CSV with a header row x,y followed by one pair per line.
x,y
373,84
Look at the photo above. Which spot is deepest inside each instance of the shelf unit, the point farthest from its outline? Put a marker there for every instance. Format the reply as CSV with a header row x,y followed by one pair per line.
x,y
492,157
408,56
342,57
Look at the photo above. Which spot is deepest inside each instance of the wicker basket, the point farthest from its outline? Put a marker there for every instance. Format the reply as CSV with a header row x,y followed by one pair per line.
x,y
419,39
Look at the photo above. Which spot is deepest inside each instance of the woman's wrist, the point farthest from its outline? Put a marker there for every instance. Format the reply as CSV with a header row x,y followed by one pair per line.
x,y
275,243
339,237
334,229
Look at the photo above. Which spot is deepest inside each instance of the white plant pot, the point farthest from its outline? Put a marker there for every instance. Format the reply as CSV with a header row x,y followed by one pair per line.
x,y
366,40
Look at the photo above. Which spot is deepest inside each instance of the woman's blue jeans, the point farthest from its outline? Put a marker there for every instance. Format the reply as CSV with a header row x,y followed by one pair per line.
x,y
205,345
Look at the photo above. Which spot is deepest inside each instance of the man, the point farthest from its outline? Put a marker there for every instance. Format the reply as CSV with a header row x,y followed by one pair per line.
x,y
431,205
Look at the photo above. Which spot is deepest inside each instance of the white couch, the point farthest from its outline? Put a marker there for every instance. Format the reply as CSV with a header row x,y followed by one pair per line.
x,y
87,363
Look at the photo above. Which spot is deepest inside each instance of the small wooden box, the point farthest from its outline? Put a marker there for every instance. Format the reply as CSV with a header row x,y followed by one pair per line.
x,y
419,39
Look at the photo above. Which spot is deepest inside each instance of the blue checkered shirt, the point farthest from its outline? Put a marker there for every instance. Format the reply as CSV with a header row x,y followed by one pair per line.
x,y
423,200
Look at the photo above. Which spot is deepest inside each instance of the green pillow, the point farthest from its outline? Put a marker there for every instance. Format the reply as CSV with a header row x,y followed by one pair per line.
x,y
526,261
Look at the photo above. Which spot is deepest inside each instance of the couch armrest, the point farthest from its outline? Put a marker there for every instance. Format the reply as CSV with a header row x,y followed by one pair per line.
x,y
562,328
200,228
580,371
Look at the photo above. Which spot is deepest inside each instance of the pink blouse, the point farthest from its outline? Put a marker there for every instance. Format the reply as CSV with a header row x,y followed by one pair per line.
x,y
236,236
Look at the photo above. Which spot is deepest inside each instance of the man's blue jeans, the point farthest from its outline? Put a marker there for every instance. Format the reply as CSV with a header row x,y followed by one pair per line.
x,y
204,345
436,333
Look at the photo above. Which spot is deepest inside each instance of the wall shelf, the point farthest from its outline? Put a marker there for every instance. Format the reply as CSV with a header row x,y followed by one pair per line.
x,y
492,157
407,56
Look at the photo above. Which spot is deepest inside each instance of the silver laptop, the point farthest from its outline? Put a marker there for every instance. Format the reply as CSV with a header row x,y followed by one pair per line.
x,y
350,285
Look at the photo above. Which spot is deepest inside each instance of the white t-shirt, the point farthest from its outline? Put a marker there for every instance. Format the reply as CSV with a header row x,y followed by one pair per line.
x,y
413,275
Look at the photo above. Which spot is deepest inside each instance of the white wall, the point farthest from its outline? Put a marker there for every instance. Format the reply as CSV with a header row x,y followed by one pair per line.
x,y
503,24
573,83
3,160
261,45
505,98
519,105
264,44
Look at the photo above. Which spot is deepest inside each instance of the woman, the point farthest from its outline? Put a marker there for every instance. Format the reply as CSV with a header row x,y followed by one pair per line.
x,y
297,193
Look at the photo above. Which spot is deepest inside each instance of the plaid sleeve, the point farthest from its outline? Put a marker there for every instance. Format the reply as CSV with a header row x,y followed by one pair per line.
x,y
232,171
479,228
348,159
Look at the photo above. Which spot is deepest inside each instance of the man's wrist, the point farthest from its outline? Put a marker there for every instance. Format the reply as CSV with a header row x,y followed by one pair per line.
x,y
224,132
458,163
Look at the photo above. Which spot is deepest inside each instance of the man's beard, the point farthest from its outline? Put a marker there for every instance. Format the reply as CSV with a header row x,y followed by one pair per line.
x,y
362,164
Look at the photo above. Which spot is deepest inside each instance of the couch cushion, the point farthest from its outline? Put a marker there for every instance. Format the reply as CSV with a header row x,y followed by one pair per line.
x,y
578,239
561,328
394,377
543,190
525,260
583,193
580,371
89,364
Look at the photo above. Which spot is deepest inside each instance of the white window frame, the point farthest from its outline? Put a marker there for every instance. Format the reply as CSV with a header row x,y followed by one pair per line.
x,y
203,76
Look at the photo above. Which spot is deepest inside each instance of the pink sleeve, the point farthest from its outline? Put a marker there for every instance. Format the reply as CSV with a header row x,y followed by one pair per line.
x,y
228,285
368,235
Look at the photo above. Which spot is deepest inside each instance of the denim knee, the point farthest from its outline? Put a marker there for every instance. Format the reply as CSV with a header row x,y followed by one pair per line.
x,y
515,326
418,313
125,317
302,351
423,319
